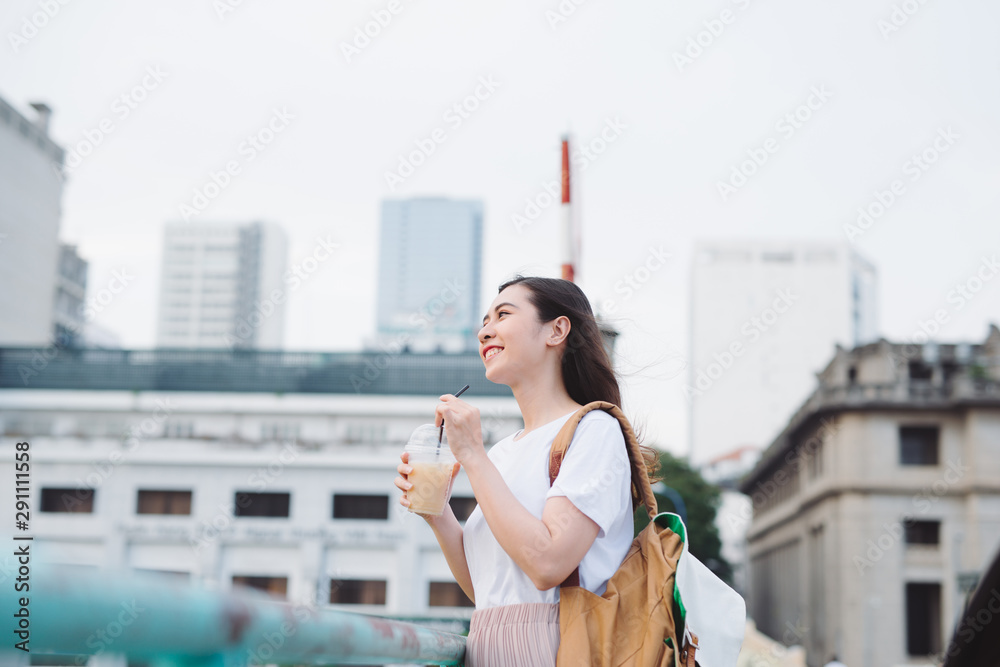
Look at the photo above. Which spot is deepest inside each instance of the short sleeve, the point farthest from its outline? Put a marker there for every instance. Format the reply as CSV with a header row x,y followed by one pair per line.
x,y
595,474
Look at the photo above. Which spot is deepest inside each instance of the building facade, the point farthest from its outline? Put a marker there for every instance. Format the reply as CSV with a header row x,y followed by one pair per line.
x,y
290,492
877,507
430,268
765,316
69,313
31,186
223,286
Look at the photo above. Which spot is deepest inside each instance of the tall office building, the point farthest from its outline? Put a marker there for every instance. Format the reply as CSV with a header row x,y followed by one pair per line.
x,y
30,208
765,316
221,286
430,264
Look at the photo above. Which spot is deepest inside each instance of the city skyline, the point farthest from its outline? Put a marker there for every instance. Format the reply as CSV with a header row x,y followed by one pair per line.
x,y
767,129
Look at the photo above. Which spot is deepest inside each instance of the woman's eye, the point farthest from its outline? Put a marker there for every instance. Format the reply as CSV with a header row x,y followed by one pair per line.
x,y
502,312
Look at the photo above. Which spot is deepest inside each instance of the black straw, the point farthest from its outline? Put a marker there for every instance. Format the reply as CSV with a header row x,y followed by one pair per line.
x,y
441,432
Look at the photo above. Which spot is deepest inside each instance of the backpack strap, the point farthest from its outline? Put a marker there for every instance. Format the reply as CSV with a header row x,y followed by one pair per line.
x,y
690,647
642,492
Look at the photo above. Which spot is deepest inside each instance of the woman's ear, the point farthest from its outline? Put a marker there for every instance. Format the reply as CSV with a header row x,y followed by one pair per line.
x,y
558,330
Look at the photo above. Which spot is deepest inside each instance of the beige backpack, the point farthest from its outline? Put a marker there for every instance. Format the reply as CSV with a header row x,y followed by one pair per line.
x,y
640,620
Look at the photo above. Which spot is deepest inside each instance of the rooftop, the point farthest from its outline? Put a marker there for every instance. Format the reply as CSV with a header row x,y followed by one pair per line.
x,y
893,376
35,132
359,373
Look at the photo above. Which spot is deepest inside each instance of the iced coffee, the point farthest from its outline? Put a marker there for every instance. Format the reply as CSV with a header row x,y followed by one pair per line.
x,y
432,464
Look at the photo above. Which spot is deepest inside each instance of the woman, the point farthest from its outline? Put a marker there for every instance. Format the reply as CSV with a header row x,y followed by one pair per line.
x,y
524,538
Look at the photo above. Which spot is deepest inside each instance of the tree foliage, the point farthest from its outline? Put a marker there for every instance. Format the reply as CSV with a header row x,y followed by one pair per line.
x,y
701,501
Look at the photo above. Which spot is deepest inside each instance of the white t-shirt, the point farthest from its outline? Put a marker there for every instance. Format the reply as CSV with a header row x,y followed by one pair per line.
x,y
595,476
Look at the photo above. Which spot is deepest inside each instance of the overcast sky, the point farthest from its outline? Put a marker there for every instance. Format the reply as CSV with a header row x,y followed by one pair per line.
x,y
885,79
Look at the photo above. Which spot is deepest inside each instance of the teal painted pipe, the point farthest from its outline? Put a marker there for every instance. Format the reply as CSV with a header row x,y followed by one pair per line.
x,y
88,611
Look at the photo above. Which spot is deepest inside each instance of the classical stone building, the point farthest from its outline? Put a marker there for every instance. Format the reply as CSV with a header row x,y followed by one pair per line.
x,y
878,505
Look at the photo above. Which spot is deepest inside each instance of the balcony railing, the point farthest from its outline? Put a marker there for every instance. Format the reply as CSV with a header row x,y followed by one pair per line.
x,y
916,393
905,394
77,612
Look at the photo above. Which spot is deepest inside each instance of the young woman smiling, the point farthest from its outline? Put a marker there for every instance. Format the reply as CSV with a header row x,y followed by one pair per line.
x,y
525,537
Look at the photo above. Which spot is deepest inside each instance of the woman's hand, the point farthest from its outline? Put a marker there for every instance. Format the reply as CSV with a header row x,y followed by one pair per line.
x,y
403,484
465,431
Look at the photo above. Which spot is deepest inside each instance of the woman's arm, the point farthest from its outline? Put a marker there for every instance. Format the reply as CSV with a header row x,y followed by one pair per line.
x,y
447,530
450,536
547,550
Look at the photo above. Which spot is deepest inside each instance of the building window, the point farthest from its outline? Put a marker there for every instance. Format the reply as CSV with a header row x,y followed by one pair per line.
x,y
918,445
462,507
365,432
357,591
272,585
920,371
279,430
923,619
80,501
178,429
812,449
923,532
163,502
346,506
447,594
262,504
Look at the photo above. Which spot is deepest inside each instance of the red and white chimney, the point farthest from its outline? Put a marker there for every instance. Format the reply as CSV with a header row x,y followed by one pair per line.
x,y
568,236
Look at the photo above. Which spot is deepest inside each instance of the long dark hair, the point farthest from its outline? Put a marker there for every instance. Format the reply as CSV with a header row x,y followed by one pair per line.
x,y
586,367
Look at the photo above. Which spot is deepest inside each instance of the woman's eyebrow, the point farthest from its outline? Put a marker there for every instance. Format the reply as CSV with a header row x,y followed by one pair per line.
x,y
496,308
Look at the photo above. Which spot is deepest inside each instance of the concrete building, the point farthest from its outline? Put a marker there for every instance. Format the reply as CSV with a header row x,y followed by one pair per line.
x,y
223,286
272,470
31,187
69,314
430,267
878,505
765,316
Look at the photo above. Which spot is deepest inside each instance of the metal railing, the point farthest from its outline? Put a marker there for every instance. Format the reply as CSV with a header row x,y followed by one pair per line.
x,y
78,612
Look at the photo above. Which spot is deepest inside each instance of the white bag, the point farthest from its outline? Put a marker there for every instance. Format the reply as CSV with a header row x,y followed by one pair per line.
x,y
713,611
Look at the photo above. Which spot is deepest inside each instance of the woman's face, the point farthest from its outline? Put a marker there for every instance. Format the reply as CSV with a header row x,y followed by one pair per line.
x,y
512,340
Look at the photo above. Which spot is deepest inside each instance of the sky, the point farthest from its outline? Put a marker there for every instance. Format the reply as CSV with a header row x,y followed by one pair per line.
x,y
832,102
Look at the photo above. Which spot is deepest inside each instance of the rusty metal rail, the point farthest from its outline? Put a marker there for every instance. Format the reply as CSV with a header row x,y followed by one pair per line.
x,y
81,611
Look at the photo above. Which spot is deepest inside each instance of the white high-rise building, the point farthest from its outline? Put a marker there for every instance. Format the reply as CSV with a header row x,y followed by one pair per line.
x,y
430,265
31,188
765,317
222,286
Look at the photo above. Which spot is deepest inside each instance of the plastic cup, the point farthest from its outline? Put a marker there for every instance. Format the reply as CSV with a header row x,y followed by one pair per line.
x,y
431,478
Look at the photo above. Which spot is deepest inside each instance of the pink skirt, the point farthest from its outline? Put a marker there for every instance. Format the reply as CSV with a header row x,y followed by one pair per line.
x,y
517,635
